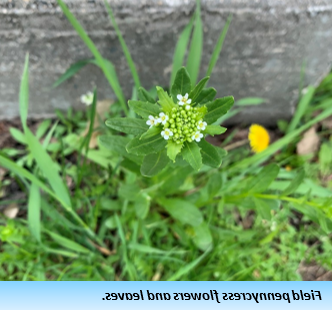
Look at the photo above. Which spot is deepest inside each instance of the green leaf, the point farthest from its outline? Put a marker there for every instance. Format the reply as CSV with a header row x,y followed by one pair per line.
x,y
202,237
210,154
206,95
142,206
165,101
188,267
250,101
180,50
48,167
151,132
173,149
214,130
117,144
67,243
201,112
125,49
145,96
34,211
24,93
182,210
263,208
191,154
181,85
263,179
173,178
144,109
196,46
301,109
129,191
194,94
218,47
154,163
293,186
132,126
146,146
72,70
218,108
214,184
18,135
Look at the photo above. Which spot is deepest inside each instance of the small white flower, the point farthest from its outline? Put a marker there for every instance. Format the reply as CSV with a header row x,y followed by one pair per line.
x,y
152,121
201,125
183,99
163,118
188,106
197,136
87,98
166,133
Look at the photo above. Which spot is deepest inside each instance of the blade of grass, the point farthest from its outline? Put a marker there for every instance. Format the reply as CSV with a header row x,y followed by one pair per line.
x,y
24,93
43,160
86,141
184,270
125,49
196,46
34,211
278,145
111,77
301,109
218,47
128,265
72,70
180,50
67,243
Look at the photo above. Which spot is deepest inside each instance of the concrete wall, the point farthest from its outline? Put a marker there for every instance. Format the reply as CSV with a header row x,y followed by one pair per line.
x,y
262,56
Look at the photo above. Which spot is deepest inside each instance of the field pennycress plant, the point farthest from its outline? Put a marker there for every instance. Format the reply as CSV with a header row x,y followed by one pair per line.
x,y
178,123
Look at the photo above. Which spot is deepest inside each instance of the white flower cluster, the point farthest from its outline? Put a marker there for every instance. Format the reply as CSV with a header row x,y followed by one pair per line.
x,y
87,98
181,124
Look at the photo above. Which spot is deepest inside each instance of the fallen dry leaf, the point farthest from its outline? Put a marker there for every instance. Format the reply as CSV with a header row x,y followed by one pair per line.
x,y
102,108
327,122
309,143
11,211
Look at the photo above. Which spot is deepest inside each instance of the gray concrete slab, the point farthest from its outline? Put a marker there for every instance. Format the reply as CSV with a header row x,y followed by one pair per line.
x,y
267,42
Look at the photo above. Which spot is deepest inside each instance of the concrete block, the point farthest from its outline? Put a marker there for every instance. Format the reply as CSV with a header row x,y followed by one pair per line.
x,y
262,56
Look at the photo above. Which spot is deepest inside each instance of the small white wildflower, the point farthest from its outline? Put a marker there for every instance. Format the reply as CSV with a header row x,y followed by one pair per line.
x,y
201,125
87,99
188,107
183,99
273,226
197,136
163,118
166,134
152,121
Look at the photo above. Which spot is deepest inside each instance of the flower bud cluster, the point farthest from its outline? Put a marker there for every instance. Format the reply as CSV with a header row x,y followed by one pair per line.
x,y
182,124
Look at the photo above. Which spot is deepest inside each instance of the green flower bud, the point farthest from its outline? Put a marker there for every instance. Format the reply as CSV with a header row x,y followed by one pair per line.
x,y
171,120
174,110
178,142
176,136
166,125
175,130
186,131
189,140
189,113
178,114
173,125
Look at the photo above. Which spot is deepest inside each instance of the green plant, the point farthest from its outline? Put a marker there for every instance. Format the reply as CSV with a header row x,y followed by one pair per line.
x,y
143,207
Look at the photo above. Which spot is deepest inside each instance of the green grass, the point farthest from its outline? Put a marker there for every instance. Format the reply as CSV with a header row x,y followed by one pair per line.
x,y
89,214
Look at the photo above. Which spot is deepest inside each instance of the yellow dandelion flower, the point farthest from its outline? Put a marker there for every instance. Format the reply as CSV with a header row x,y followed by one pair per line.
x,y
259,138
288,168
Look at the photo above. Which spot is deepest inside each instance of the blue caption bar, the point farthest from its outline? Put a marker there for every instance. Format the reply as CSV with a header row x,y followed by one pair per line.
x,y
177,295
